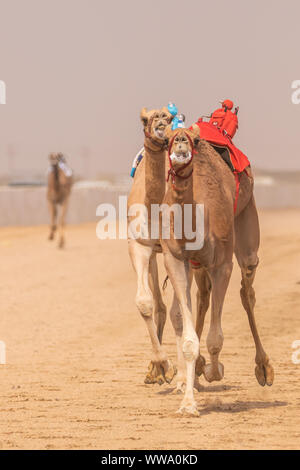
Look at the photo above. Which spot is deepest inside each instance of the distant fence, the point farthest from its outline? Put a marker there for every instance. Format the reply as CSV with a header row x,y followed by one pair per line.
x,y
276,194
28,205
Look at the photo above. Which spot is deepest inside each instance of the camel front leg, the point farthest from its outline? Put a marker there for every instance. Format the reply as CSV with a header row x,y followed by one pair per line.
x,y
246,247
160,311
61,224
53,215
176,319
203,296
160,369
178,272
220,277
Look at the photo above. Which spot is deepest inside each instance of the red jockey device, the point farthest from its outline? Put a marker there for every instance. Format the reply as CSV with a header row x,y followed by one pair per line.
x,y
224,119
216,137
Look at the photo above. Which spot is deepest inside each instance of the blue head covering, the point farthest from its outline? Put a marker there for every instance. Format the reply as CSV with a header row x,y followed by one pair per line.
x,y
172,109
177,121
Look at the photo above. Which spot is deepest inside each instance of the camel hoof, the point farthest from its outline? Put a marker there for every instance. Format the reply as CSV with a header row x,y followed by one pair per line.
x,y
61,243
149,379
212,374
160,379
152,374
264,374
189,409
170,373
160,373
200,363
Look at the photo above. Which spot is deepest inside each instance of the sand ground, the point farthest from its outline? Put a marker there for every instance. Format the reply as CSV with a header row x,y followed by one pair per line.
x,y
77,350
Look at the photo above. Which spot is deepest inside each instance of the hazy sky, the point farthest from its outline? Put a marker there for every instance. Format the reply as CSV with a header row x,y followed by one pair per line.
x,y
78,71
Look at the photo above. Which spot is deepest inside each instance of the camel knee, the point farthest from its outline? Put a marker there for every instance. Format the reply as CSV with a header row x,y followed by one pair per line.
x,y
214,342
190,348
144,304
249,265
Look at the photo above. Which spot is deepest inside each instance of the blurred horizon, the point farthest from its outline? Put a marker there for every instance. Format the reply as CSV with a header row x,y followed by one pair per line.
x,y
77,73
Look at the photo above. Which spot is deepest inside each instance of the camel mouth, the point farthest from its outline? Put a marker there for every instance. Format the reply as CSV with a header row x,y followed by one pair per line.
x,y
181,158
160,131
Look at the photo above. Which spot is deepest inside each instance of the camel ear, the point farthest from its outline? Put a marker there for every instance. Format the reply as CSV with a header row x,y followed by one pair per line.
x,y
195,129
195,134
144,116
170,117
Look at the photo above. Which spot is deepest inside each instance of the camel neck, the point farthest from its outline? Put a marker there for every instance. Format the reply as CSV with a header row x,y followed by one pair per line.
x,y
55,172
154,176
182,188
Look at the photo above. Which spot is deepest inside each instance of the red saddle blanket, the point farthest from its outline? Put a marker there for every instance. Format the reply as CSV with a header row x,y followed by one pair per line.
x,y
216,137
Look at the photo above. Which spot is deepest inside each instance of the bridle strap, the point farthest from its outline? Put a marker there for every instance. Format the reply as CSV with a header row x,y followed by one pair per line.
x,y
161,146
172,172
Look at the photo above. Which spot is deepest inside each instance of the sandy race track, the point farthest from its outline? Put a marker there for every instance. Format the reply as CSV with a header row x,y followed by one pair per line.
x,y
77,350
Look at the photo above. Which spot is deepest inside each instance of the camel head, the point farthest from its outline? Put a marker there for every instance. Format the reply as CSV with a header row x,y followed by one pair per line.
x,y
55,158
155,123
182,143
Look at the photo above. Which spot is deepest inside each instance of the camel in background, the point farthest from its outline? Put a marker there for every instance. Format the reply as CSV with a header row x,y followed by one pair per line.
x,y
148,188
59,189
206,179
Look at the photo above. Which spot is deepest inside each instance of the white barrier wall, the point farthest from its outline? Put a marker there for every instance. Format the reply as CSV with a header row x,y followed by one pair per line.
x,y
28,205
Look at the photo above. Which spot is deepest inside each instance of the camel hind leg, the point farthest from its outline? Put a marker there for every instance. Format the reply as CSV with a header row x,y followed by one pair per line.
x,y
53,215
246,248
220,277
61,224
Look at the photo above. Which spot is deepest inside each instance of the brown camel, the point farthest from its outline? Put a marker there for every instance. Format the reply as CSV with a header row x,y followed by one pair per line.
x,y
206,180
59,189
148,188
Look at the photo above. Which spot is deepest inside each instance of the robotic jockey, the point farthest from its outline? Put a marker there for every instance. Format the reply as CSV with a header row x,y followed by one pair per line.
x,y
224,119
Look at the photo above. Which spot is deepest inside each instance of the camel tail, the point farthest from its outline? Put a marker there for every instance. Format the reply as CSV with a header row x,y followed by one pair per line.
x,y
164,286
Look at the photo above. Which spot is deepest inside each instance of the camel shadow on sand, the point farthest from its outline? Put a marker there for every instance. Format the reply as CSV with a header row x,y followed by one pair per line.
x,y
216,405
210,388
240,406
